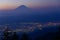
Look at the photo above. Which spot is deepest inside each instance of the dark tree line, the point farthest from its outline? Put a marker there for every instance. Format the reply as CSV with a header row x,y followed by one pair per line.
x,y
8,36
48,36
57,37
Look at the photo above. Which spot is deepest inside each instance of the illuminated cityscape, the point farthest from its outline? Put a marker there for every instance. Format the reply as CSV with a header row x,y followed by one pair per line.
x,y
27,27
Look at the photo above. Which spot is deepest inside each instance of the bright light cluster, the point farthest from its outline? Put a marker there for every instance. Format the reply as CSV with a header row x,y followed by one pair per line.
x,y
26,27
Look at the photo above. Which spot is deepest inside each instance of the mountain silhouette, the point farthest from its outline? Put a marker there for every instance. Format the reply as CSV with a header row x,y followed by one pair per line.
x,y
23,10
22,7
26,14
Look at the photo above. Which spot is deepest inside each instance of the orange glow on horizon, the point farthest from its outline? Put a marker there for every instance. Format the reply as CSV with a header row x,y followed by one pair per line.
x,y
11,6
7,6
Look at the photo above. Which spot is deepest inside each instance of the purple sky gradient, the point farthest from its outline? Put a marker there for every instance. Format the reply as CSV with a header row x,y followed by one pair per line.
x,y
6,4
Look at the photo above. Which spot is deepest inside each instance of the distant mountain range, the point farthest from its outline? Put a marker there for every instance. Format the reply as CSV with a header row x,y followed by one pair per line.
x,y
21,10
24,10
26,14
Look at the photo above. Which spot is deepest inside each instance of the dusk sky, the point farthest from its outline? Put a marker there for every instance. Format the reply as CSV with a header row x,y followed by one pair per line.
x,y
9,4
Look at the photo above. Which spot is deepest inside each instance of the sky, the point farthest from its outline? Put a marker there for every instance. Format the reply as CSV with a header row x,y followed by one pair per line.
x,y
11,4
